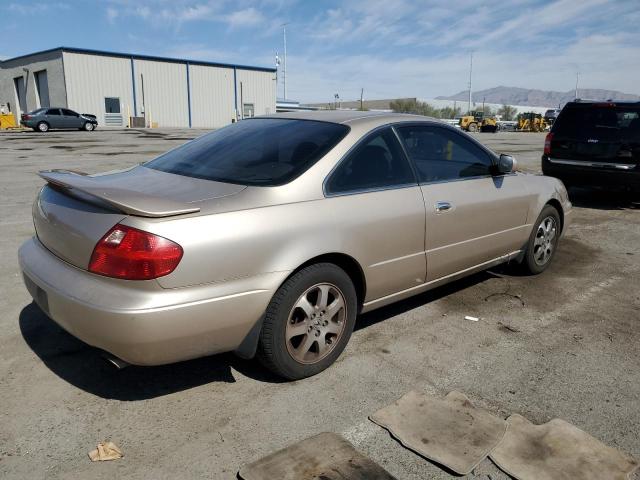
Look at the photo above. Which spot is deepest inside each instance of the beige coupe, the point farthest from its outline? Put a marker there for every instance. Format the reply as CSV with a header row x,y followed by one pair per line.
x,y
268,237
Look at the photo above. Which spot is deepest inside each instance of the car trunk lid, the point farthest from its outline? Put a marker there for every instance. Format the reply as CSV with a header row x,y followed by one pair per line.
x,y
75,210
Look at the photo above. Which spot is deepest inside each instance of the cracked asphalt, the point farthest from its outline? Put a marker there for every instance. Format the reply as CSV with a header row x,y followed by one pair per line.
x,y
564,344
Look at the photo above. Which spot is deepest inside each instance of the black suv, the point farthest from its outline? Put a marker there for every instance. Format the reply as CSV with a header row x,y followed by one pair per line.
x,y
596,144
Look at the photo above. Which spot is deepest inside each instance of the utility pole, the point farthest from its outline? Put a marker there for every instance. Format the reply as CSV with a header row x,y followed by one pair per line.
x,y
577,76
361,96
470,72
284,65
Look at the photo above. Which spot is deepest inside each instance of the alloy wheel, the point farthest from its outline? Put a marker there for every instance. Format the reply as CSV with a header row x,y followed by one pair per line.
x,y
545,240
316,323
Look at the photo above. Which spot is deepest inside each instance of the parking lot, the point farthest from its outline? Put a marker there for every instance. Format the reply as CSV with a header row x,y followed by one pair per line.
x,y
560,345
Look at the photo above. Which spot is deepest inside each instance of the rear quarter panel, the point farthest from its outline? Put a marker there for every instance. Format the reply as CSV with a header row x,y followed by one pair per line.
x,y
371,228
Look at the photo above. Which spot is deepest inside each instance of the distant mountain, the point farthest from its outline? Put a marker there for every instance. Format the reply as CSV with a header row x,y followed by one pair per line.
x,y
538,98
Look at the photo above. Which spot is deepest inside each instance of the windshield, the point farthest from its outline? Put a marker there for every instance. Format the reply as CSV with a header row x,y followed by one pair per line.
x,y
615,122
37,111
260,151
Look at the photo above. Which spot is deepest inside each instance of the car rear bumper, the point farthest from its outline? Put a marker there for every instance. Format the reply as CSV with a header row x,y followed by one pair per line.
x,y
575,172
145,324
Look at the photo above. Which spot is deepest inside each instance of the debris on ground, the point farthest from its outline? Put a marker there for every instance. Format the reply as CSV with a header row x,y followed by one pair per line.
x,y
449,431
105,451
505,326
470,318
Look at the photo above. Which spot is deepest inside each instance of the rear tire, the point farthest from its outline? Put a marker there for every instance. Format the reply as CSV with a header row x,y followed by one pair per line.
x,y
308,322
42,127
543,241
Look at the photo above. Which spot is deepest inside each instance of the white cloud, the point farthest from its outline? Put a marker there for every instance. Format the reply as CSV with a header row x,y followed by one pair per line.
x,y
244,18
112,14
36,8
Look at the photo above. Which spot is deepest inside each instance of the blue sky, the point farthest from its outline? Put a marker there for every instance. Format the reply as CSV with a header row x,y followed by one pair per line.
x,y
390,48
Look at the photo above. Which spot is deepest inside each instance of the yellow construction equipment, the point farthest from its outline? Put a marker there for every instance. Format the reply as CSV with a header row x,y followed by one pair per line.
x,y
478,122
531,122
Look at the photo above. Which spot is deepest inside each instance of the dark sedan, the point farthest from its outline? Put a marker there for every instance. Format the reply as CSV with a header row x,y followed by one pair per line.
x,y
44,119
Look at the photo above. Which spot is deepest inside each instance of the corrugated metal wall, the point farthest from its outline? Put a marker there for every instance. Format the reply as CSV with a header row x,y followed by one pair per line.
x,y
165,92
212,102
258,88
92,78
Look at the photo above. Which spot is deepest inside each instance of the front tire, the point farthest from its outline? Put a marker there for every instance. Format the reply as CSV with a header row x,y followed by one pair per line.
x,y
543,241
473,127
309,322
43,127
89,127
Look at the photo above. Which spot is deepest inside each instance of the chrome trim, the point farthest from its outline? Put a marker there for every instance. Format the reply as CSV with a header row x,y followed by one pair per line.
x,y
581,163
443,207
527,226
405,257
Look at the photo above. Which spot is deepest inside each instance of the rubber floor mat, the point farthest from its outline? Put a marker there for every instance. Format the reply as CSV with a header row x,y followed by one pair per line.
x,y
558,450
449,431
324,457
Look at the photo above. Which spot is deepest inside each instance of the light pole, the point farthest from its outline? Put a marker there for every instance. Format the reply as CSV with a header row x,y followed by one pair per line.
x,y
284,65
470,72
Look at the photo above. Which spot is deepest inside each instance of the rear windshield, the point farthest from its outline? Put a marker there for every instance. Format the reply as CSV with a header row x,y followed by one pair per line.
x,y
260,151
599,121
37,111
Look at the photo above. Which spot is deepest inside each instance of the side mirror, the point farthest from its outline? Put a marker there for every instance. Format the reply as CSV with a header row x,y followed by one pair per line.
x,y
506,164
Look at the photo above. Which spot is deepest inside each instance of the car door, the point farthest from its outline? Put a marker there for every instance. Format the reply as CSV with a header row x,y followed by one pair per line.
x,y
70,119
472,216
379,206
53,118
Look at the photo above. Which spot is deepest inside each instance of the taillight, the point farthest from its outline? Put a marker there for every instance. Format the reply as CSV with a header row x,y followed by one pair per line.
x,y
133,254
547,143
26,117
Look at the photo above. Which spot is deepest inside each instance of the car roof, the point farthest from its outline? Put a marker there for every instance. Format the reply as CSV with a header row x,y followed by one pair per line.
x,y
352,116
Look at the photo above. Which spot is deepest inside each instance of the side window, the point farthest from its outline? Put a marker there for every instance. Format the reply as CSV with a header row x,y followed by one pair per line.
x,y
440,154
53,111
378,162
69,113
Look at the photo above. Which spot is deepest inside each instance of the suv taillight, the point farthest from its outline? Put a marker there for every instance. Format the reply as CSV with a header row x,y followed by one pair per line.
x,y
133,254
547,143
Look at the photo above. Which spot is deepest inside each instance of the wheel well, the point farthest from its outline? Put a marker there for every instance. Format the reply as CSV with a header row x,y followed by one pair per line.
x,y
558,206
348,264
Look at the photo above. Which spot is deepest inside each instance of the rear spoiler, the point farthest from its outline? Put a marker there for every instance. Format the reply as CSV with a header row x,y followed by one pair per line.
x,y
127,201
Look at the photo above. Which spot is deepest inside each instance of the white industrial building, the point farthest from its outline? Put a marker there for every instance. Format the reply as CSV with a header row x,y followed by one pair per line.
x,y
152,91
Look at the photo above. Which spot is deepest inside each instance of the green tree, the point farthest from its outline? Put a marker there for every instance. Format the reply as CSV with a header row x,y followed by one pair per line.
x,y
507,112
414,106
450,112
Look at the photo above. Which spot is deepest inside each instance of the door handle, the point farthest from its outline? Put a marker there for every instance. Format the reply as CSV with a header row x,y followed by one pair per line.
x,y
443,207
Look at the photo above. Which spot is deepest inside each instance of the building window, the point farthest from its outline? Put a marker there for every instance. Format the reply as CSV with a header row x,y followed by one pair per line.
x,y
247,110
112,105
42,88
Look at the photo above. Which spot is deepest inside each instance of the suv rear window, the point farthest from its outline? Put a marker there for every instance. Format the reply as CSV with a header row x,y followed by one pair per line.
x,y
260,151
587,121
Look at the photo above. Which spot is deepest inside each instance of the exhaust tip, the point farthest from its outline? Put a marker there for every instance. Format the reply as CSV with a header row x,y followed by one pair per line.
x,y
115,361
